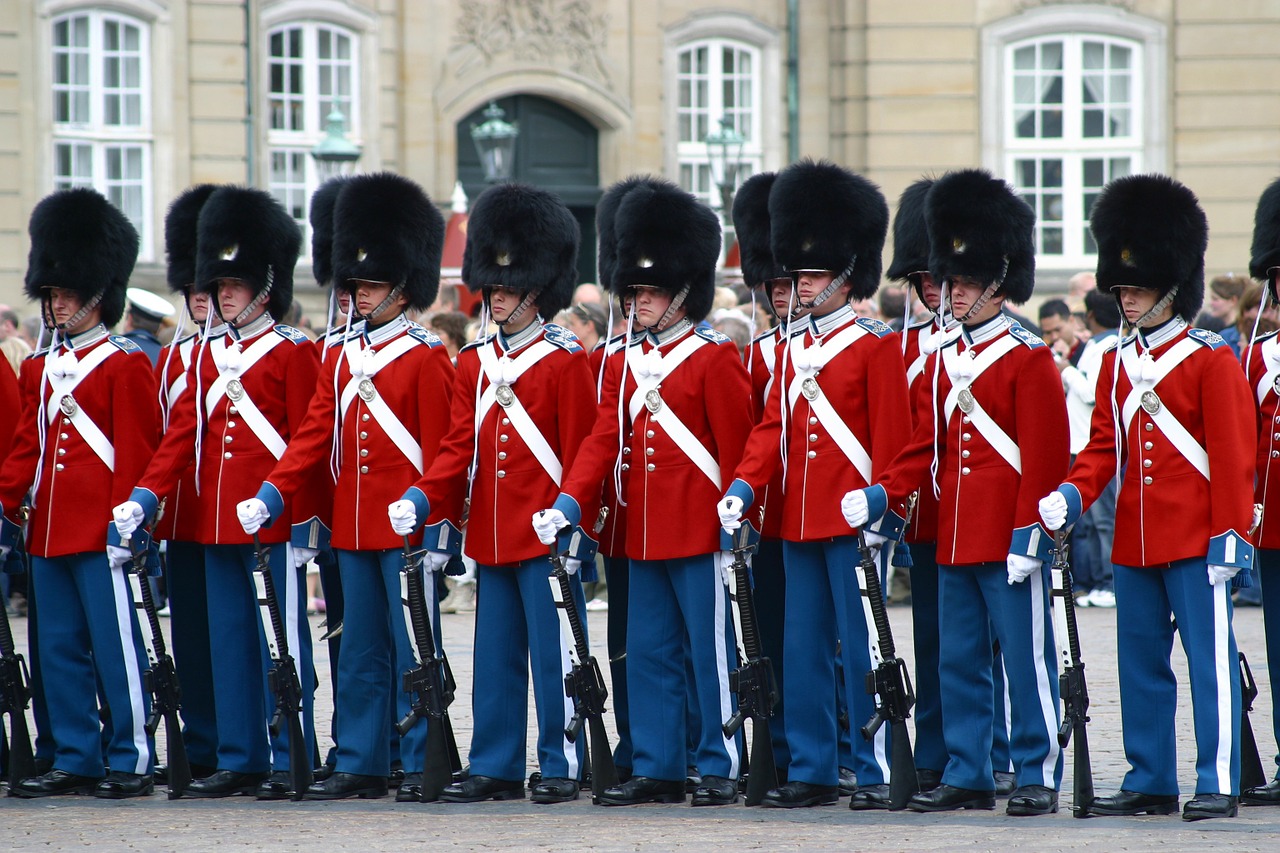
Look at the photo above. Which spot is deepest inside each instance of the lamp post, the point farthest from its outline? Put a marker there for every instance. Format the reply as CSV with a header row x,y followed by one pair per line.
x,y
495,141
724,151
334,151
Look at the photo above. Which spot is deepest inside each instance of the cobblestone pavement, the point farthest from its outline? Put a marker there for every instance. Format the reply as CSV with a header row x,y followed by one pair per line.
x,y
154,823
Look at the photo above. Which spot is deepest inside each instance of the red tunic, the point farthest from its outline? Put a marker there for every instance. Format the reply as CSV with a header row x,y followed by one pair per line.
x,y
181,516
1264,369
924,522
762,363
613,533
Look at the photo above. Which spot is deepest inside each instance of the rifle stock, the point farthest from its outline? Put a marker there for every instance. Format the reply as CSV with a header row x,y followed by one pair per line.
x,y
1071,684
15,695
1251,772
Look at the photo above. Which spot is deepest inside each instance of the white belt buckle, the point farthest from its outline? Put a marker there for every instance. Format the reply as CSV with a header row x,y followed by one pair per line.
x,y
965,400
235,390
653,401
505,396
809,388
68,405
366,390
1150,402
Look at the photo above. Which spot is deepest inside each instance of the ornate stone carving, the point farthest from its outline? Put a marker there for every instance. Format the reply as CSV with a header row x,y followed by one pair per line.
x,y
540,31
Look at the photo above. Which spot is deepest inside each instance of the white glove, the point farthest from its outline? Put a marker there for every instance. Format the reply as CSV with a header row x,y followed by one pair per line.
x,y
1053,510
301,556
128,518
117,556
854,508
548,523
571,566
730,510
435,561
1221,574
404,517
724,565
253,514
1021,566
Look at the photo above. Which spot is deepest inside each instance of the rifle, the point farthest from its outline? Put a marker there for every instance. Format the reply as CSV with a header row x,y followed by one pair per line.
x,y
584,684
160,679
890,683
1071,683
1251,772
430,684
753,681
15,695
282,680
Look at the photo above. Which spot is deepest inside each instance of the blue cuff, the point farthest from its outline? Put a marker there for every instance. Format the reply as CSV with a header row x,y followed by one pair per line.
x,y
1075,504
148,499
745,536
740,489
1031,541
1230,549
570,508
271,496
312,533
139,536
420,503
442,537
877,502
890,525
578,545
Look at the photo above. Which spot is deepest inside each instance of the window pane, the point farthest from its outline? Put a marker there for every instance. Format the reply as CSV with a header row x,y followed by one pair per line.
x,y
1092,124
1024,58
1051,127
1051,241
111,35
1051,173
1093,54
1051,56
1120,167
1120,56
1093,175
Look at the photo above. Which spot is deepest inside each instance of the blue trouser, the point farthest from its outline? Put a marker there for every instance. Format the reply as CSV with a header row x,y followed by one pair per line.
x,y
974,601
44,746
331,590
518,629
89,635
824,605
1268,577
770,588
377,652
1002,722
192,657
1145,600
674,602
618,571
244,703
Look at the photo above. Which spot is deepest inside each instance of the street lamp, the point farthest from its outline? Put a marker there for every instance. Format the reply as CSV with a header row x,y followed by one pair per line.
x,y
335,150
724,151
495,141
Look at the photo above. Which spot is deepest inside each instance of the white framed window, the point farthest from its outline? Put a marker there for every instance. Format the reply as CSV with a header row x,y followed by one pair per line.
x,y
102,134
313,69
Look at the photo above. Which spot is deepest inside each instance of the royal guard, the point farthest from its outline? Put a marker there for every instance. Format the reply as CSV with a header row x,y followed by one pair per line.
x,y
89,426
836,415
522,403
1182,405
675,410
178,525
385,392
1263,365
997,433
247,394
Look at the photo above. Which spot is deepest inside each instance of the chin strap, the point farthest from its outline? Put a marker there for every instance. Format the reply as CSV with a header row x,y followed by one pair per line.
x,y
377,310
254,303
826,291
1152,312
982,300
75,318
528,300
678,301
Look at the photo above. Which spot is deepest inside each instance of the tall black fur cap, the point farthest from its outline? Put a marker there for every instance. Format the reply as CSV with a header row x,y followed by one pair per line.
x,y
1265,250
243,233
606,235
751,226
524,238
81,242
180,235
910,233
322,204
668,238
977,224
1151,232
823,216
386,229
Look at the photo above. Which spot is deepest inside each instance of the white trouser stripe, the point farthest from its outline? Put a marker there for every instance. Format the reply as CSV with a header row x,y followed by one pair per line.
x,y
124,612
1048,708
1222,665
566,666
879,744
722,665
1006,714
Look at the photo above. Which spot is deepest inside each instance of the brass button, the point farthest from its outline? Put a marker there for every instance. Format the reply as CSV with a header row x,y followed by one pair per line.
x,y
648,451
1275,454
813,436
650,467
501,474
965,471
364,469
813,420
1146,463
1148,445
226,439
232,410
58,467
965,436
964,454
363,435
506,422
364,451
62,451
502,455
1150,427
365,417
626,451
813,454
648,433
66,421
626,466
1146,481
965,419
227,455
502,437
231,424
64,436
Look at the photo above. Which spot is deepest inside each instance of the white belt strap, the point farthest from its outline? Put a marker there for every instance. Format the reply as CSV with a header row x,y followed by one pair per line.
x,y
1271,358
1182,440
515,411
916,368
382,413
769,354
247,409
680,434
840,432
61,387
978,416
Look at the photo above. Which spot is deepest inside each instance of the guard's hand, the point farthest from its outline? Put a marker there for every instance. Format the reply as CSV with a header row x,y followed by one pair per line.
x,y
253,515
724,565
1053,510
571,565
404,517
853,506
1021,566
128,517
548,523
1221,574
117,556
435,561
301,556
730,511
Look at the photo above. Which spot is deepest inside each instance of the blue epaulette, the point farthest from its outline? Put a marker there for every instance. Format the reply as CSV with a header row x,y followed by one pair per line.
x,y
124,344
1022,335
1203,336
562,337
427,337
289,333
709,334
879,328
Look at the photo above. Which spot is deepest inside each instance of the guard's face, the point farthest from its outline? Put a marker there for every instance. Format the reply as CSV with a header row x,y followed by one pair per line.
x,y
964,293
651,304
930,291
781,294
344,302
234,296
63,304
370,294
503,301
809,283
199,307
1135,301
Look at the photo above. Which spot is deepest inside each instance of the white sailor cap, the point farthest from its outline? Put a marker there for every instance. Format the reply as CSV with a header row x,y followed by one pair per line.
x,y
149,304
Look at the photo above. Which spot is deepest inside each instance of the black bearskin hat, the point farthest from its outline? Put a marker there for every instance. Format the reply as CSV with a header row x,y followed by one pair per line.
x,y
1266,236
523,238
606,235
751,224
1152,233
910,234
668,238
82,242
824,217
386,229
246,234
980,227
322,204
180,235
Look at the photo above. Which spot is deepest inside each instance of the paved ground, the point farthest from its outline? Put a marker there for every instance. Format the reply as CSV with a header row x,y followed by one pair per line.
x,y
239,824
